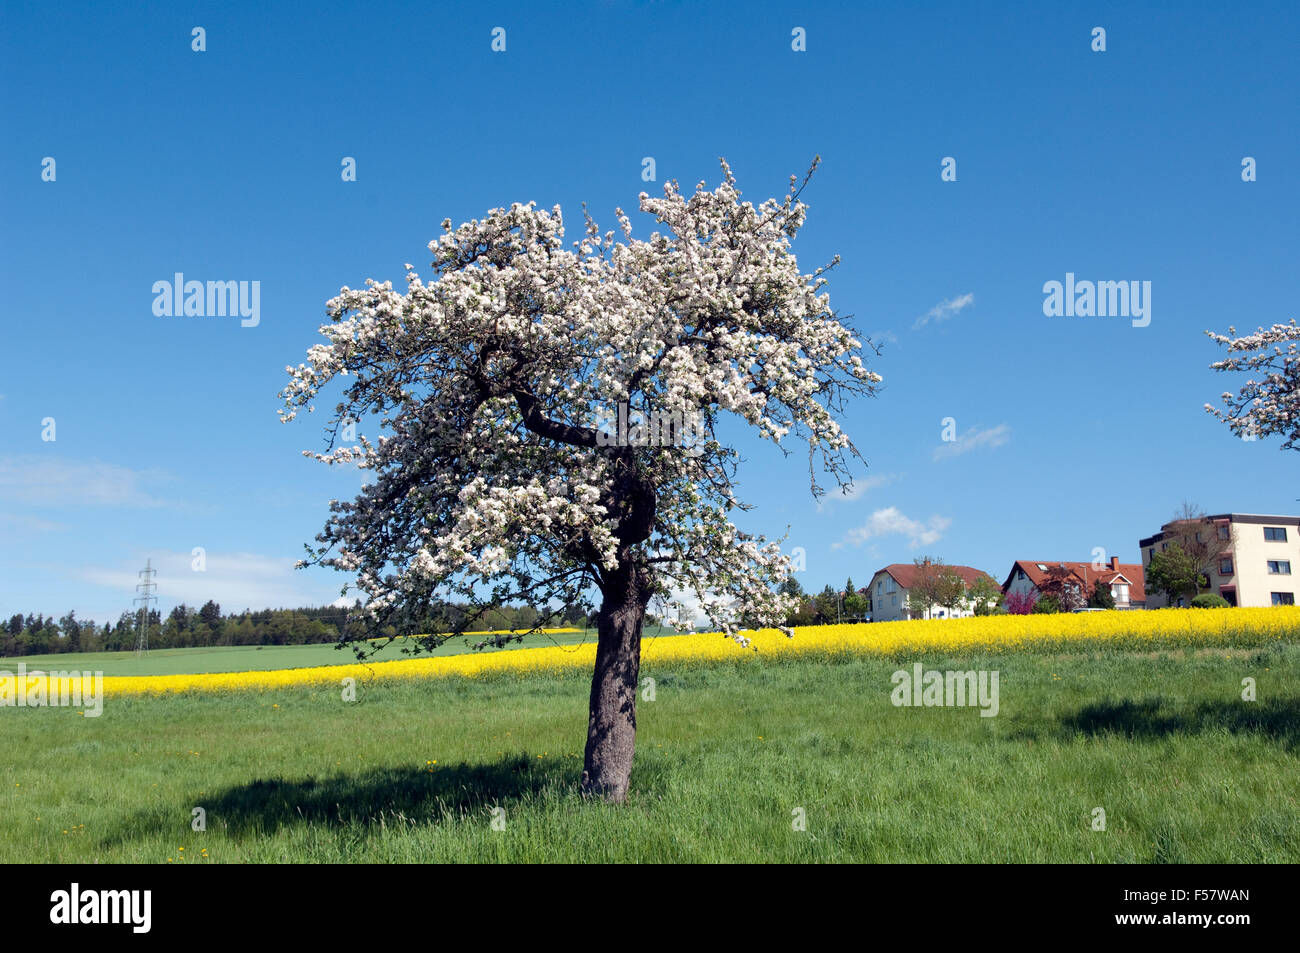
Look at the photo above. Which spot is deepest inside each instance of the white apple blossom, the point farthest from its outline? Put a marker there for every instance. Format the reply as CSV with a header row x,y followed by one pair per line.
x,y
1269,405
491,483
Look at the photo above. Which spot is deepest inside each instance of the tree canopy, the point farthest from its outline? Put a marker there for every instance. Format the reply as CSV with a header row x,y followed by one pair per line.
x,y
495,480
1175,573
1268,403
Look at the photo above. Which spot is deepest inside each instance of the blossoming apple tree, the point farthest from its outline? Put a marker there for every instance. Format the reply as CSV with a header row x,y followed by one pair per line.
x,y
494,481
1270,404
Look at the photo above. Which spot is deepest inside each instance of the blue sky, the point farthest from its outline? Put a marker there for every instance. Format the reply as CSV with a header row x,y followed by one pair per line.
x,y
1075,433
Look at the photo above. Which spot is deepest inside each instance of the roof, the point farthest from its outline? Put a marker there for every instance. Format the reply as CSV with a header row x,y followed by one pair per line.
x,y
1247,518
907,574
1087,574
1169,529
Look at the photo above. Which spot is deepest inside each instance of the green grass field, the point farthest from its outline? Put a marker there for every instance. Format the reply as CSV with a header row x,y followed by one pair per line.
x,y
257,658
411,772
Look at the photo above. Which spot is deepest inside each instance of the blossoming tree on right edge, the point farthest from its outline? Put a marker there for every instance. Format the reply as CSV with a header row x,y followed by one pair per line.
x,y
495,481
1269,404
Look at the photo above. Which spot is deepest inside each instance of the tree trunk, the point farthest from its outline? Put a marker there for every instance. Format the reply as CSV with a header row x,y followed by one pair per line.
x,y
611,724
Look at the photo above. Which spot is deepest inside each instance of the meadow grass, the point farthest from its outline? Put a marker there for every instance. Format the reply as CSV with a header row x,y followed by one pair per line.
x,y
411,772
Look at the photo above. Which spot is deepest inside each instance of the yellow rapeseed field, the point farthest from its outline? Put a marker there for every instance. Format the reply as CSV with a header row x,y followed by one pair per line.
x,y
1126,631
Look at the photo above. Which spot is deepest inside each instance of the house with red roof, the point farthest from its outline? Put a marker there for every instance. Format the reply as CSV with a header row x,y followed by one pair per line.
x,y
891,586
1127,581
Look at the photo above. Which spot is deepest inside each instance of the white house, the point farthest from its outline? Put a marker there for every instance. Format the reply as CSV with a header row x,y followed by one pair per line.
x,y
891,586
1126,581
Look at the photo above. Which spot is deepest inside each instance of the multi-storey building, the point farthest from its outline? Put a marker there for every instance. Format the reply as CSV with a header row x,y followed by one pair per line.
x,y
1256,559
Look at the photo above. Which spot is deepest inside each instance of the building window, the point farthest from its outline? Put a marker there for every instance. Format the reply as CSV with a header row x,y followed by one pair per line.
x,y
1151,554
1120,592
1279,567
1275,534
893,601
1284,598
1225,567
890,584
1225,532
1164,547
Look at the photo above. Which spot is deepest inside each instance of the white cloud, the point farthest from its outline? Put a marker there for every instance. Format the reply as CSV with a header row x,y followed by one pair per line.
x,y
679,604
14,523
973,439
236,581
892,522
55,482
945,310
846,494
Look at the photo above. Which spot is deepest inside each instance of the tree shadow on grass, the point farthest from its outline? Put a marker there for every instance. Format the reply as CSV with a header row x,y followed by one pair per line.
x,y
424,794
1277,718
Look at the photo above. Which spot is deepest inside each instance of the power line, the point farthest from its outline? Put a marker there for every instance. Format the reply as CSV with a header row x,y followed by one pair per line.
x,y
145,588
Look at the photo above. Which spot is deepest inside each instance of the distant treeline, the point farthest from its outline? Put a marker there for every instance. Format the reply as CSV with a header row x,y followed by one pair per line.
x,y
186,627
